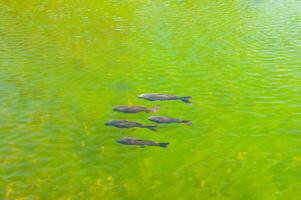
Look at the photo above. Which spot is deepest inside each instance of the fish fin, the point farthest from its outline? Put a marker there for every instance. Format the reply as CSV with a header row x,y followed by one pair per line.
x,y
151,127
163,144
188,122
153,109
186,99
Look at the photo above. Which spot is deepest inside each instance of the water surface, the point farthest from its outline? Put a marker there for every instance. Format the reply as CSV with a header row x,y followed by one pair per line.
x,y
64,64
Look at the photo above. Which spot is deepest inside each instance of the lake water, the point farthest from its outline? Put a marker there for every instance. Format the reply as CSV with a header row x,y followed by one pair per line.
x,y
64,64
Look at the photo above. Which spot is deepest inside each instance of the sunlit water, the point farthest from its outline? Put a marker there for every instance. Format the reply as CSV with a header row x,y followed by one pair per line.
x,y
65,64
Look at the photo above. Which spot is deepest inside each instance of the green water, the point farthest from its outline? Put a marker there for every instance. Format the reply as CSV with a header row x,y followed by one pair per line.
x,y
64,64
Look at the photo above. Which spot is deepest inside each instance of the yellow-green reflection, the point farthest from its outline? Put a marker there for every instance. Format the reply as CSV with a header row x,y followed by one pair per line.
x,y
64,64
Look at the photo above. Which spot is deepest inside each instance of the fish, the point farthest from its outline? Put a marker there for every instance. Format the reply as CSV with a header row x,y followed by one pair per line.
x,y
135,109
128,124
164,97
142,143
167,120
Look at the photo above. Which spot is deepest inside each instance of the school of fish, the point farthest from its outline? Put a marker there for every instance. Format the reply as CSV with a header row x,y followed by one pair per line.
x,y
122,123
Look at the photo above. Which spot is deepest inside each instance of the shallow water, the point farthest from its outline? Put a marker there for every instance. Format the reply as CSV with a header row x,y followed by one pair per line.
x,y
65,64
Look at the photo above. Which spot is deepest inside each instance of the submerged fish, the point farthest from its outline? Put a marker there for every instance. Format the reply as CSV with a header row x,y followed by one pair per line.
x,y
128,124
142,143
164,97
166,120
135,109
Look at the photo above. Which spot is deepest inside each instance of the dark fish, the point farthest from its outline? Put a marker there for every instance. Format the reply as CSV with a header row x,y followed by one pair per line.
x,y
164,97
142,143
135,109
128,124
166,120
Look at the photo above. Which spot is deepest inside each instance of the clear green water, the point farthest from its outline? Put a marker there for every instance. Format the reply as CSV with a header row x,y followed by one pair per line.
x,y
65,63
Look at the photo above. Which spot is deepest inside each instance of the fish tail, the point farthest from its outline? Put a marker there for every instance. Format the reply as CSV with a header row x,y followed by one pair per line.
x,y
163,144
188,122
151,127
186,99
153,109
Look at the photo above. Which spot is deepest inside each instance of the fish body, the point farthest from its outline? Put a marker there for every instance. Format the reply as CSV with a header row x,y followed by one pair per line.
x,y
164,97
167,120
135,109
142,143
128,124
